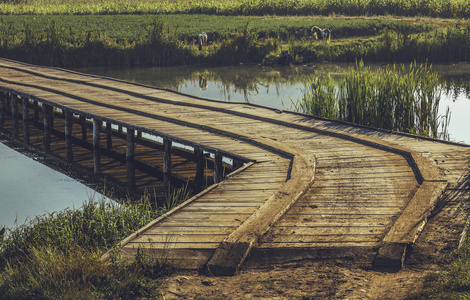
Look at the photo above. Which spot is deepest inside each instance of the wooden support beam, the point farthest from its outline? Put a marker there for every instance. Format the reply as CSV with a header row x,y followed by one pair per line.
x,y
130,163
46,112
36,111
25,120
96,146
3,109
218,168
68,134
51,115
199,157
166,163
84,130
109,136
14,115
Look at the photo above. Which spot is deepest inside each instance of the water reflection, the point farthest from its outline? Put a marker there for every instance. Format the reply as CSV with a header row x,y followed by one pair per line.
x,y
279,87
29,188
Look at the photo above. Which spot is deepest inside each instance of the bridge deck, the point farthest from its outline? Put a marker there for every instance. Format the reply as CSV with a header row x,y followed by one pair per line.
x,y
314,187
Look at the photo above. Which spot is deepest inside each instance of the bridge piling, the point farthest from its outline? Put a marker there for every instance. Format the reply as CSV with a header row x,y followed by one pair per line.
x,y
199,157
130,154
83,125
3,109
14,115
167,143
47,118
218,167
96,146
25,102
109,136
36,111
68,135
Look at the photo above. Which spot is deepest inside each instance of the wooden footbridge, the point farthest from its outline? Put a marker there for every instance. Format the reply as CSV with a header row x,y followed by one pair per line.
x,y
280,185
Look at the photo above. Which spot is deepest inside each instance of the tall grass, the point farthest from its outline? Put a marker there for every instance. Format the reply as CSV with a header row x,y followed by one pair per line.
x,y
56,256
399,99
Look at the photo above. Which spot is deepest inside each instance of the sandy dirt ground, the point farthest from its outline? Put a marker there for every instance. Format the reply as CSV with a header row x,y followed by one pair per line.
x,y
330,279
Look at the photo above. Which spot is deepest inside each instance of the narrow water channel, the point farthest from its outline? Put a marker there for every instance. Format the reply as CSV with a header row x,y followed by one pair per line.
x,y
282,86
29,189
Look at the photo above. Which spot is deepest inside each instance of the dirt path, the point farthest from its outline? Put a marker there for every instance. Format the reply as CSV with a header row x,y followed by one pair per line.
x,y
328,279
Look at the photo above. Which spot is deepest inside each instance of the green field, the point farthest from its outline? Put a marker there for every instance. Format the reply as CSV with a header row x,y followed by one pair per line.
x,y
433,8
145,40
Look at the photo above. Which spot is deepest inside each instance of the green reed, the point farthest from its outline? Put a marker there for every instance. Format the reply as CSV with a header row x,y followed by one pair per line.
x,y
398,99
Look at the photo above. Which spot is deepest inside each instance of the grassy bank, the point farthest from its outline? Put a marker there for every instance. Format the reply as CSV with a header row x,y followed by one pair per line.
x,y
143,40
57,256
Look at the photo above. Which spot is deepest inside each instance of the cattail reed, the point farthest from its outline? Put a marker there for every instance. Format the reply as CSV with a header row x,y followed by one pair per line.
x,y
402,99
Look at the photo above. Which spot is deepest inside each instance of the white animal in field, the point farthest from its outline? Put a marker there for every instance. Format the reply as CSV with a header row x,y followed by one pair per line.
x,y
202,40
320,34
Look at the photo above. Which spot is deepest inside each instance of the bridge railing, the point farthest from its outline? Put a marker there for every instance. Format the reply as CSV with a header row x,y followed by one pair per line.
x,y
17,108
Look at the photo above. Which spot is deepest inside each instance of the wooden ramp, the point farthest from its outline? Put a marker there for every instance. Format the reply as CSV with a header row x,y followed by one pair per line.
x,y
309,187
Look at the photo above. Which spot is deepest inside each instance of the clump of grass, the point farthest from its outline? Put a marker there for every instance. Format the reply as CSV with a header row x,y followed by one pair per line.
x,y
405,100
96,226
58,255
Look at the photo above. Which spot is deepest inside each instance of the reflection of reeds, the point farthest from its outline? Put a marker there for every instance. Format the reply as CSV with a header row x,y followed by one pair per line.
x,y
398,99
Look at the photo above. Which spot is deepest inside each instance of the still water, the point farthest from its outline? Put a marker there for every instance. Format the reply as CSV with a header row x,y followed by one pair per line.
x,y
282,87
28,188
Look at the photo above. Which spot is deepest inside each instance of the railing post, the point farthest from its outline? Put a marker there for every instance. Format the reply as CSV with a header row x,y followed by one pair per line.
x,y
96,146
199,156
68,134
218,167
130,153
36,111
25,120
109,135
83,124
166,163
14,115
46,116
3,109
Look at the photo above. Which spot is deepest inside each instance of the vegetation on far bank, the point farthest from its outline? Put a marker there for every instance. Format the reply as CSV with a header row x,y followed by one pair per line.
x,y
88,41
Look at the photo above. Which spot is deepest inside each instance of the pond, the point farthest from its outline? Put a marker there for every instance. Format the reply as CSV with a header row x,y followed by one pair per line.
x,y
49,191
